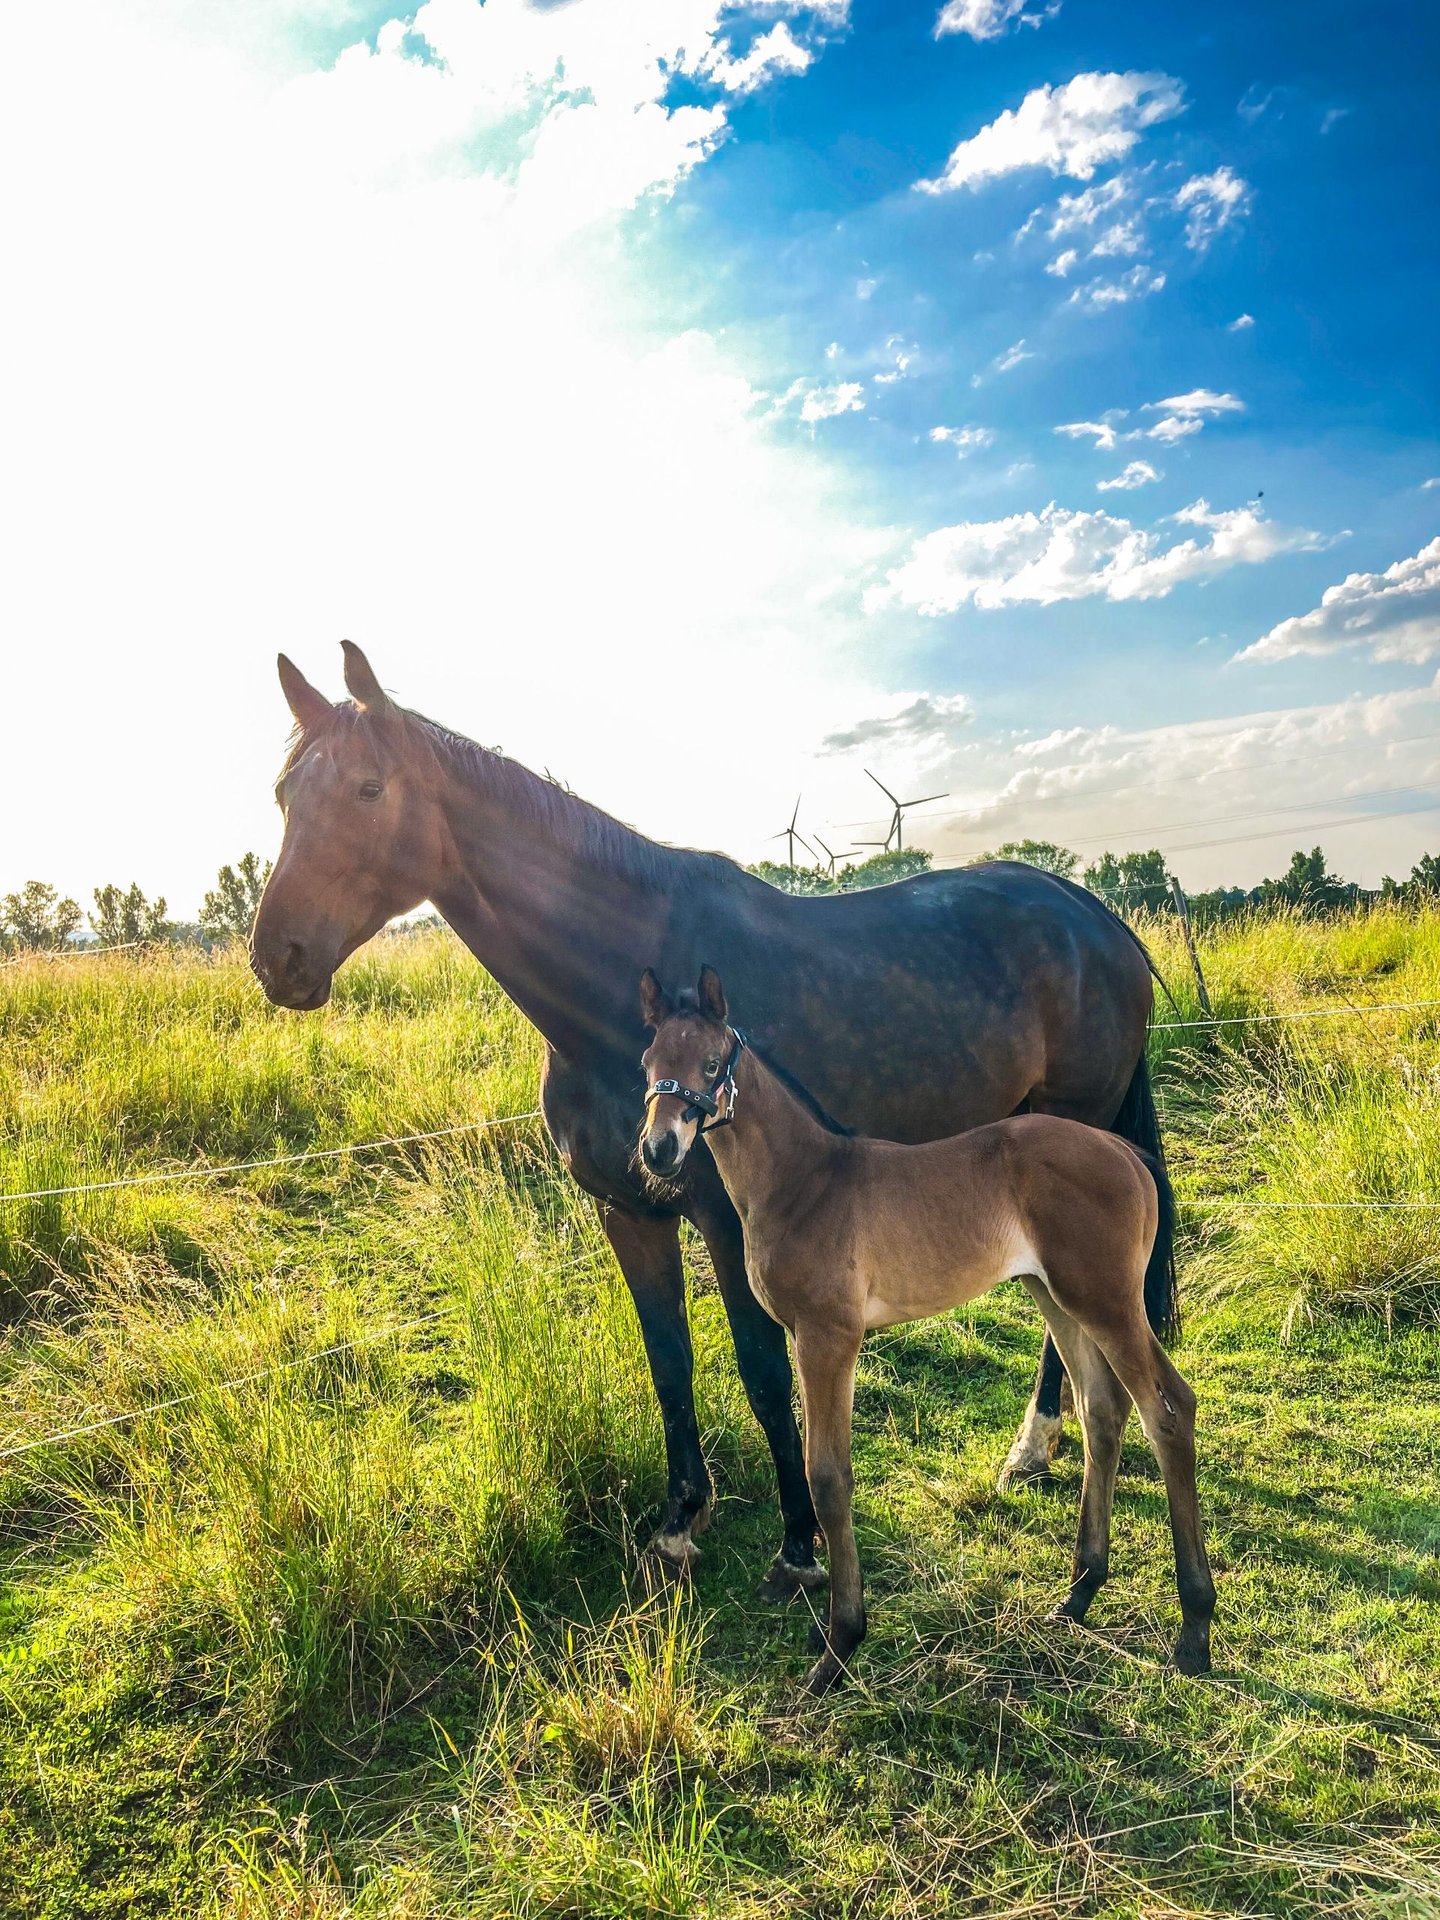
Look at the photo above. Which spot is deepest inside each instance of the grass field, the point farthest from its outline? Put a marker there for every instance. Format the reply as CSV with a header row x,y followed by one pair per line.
x,y
367,1637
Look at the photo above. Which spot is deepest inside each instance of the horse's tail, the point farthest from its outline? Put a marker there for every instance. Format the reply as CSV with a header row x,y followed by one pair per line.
x,y
1138,1122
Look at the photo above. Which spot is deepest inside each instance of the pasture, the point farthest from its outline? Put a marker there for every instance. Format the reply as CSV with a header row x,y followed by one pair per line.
x,y
367,1635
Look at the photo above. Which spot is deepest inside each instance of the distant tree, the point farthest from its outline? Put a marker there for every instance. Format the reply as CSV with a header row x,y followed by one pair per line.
x,y
1423,884
1308,884
37,917
895,863
230,909
1141,876
793,879
121,917
1036,853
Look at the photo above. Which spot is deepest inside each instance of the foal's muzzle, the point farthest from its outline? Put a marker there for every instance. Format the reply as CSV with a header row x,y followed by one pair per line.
x,y
660,1152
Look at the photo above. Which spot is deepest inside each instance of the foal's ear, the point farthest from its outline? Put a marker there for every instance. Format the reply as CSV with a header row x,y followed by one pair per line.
x,y
711,995
365,689
655,1003
309,706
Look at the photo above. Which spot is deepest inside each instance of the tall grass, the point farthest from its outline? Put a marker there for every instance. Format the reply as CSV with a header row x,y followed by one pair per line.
x,y
413,1435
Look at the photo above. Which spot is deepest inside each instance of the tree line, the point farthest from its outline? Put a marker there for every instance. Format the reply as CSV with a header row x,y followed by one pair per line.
x,y
39,918
1139,879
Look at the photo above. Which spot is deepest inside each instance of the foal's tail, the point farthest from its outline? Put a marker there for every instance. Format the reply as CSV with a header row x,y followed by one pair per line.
x,y
1138,1122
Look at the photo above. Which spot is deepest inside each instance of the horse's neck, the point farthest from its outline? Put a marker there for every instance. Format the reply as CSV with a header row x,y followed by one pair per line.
x,y
773,1148
565,930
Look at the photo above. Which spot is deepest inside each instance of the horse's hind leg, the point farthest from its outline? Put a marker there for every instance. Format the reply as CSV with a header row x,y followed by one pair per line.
x,y
825,1358
1103,1406
1166,1405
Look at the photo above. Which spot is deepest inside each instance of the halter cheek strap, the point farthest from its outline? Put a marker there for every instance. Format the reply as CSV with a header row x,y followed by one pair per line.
x,y
705,1107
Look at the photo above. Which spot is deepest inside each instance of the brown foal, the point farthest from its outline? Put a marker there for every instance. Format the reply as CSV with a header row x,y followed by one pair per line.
x,y
844,1233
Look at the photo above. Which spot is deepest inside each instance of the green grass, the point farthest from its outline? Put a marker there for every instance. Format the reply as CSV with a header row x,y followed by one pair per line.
x,y
370,1637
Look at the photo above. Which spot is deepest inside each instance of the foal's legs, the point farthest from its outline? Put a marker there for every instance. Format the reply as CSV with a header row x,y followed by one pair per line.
x,y
1103,1406
1166,1405
825,1358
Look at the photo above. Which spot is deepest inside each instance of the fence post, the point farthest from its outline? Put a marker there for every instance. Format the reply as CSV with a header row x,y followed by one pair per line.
x,y
1182,907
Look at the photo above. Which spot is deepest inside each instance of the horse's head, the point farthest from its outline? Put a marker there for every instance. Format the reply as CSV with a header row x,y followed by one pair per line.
x,y
363,835
689,1068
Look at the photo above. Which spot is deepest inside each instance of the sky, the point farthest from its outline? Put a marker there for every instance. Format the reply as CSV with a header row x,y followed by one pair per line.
x,y
1032,403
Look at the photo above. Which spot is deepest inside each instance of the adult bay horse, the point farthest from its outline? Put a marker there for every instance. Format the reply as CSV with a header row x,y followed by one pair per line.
x,y
1004,988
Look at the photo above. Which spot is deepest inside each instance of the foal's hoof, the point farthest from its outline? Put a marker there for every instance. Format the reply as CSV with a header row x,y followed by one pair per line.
x,y
826,1674
784,1579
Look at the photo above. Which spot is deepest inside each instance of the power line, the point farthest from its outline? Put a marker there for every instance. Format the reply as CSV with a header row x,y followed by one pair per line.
x,y
73,953
278,1160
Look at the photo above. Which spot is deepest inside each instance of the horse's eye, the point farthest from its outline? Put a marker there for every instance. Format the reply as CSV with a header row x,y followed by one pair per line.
x,y
371,790
712,1066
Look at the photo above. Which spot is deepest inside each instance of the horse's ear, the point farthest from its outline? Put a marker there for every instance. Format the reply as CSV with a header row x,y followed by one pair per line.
x,y
655,1003
310,707
711,995
365,689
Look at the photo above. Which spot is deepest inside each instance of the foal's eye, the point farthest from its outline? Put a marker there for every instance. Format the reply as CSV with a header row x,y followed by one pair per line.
x,y
370,790
712,1066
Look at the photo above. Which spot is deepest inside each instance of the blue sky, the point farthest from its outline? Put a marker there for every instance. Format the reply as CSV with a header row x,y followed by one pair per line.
x,y
961,403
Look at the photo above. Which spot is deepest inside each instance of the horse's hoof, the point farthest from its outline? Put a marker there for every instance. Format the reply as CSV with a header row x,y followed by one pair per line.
x,y
671,1558
1192,1657
1064,1610
784,1579
1017,1478
1028,1462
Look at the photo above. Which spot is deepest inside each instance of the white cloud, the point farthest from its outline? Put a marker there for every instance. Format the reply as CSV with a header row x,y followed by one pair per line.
x,y
1395,614
1121,239
1061,554
1012,356
1210,201
1182,414
1099,295
1426,485
1102,431
1062,263
1138,473
1186,413
915,723
989,19
1071,129
965,440
772,53
1211,792
828,403
1078,212
1241,322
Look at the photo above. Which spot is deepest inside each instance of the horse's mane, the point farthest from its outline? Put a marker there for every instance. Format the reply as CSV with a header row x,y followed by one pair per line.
x,y
593,835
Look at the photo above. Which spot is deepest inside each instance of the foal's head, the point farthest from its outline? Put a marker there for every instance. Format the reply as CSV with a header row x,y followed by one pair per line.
x,y
363,833
687,1069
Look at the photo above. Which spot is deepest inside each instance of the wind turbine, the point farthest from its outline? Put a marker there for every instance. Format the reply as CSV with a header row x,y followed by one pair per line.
x,y
789,834
897,819
829,856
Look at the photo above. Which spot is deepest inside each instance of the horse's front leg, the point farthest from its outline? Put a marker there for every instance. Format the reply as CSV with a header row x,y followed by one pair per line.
x,y
764,1363
648,1249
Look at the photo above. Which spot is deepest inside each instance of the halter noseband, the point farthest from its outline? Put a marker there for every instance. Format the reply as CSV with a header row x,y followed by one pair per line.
x,y
704,1107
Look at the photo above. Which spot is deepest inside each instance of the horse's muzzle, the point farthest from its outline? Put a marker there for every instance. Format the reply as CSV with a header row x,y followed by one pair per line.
x,y
290,976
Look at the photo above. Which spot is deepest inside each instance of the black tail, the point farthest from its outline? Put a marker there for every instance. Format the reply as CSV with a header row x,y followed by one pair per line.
x,y
1138,1122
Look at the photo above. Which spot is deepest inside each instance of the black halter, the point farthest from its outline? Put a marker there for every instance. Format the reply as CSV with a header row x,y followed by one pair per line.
x,y
704,1107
